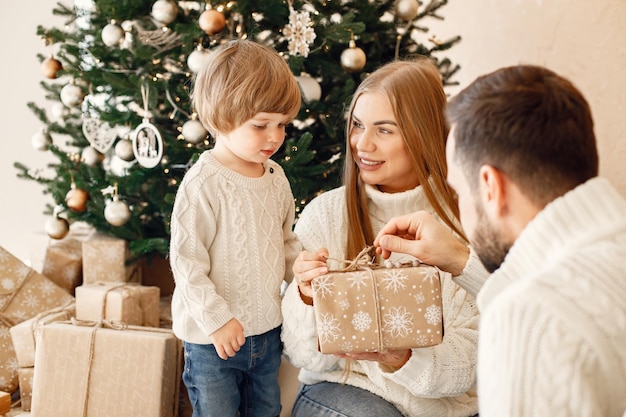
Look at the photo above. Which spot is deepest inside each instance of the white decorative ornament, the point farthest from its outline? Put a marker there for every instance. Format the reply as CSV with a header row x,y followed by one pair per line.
x,y
112,34
147,144
407,9
193,131
124,150
117,212
311,90
41,140
72,95
58,112
57,227
90,156
164,11
196,58
299,33
99,134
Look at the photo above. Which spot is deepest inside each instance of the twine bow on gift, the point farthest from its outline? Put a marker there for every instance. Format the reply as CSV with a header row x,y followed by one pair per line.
x,y
362,261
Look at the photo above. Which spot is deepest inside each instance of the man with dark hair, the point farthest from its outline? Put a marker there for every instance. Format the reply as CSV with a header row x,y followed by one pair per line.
x,y
522,158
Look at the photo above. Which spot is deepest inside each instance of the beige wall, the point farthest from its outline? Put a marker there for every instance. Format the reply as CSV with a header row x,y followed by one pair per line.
x,y
584,40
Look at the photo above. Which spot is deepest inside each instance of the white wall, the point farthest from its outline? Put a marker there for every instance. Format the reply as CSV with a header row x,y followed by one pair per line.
x,y
585,40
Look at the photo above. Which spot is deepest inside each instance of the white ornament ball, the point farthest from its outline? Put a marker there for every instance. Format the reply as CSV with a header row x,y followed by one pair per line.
x,y
311,89
407,9
124,150
112,34
196,59
164,11
90,156
117,212
193,131
57,227
58,112
353,59
72,95
41,140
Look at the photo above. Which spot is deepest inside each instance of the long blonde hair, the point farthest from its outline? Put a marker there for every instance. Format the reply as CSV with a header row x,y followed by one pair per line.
x,y
415,91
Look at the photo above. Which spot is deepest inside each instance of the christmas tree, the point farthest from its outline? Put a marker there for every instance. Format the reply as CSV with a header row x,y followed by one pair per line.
x,y
119,74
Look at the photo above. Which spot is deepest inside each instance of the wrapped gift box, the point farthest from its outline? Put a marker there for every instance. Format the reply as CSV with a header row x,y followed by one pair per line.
x,y
25,376
104,260
63,263
24,293
5,403
131,304
371,309
23,334
102,372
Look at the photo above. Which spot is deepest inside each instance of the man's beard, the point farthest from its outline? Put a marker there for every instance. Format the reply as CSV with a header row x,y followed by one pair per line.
x,y
489,245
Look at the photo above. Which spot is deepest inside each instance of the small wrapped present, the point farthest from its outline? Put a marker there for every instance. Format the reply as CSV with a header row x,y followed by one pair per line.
x,y
23,334
86,370
104,260
131,304
63,263
25,376
5,403
24,293
370,308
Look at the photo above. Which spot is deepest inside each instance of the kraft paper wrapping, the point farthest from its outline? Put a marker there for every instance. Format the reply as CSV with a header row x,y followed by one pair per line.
x,y
102,372
24,293
131,304
63,263
25,376
104,260
23,334
375,309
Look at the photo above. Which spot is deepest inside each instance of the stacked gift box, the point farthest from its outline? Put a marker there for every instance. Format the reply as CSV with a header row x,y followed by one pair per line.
x,y
90,340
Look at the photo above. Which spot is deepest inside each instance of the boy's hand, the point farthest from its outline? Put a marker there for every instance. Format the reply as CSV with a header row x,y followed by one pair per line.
x,y
228,339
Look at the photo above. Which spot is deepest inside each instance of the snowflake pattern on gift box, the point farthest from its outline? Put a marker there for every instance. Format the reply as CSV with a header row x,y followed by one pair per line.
x,y
398,322
433,315
361,321
7,284
359,280
324,286
328,328
394,280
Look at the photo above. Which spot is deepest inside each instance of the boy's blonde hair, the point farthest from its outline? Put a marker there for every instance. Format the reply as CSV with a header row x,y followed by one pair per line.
x,y
239,79
415,90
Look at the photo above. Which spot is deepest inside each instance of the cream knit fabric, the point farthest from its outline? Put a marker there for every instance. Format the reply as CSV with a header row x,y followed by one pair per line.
x,y
553,325
232,246
437,381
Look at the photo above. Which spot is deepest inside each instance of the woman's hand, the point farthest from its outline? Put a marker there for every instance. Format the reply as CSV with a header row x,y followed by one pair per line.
x,y
307,266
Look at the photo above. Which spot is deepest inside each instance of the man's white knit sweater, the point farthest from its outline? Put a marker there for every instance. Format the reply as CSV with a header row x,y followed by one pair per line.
x,y
436,381
553,316
231,247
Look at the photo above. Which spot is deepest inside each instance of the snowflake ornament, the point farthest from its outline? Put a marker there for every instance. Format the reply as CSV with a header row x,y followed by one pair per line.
x,y
299,33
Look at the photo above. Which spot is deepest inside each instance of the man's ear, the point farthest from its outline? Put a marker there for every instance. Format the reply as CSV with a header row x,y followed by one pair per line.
x,y
492,186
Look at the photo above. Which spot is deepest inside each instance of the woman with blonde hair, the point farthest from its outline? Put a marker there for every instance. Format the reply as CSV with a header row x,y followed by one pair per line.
x,y
395,164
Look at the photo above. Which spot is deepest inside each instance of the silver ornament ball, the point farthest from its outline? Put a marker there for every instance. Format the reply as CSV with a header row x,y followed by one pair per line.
x,y
193,131
112,34
124,150
311,89
57,227
72,95
164,11
196,58
117,212
407,9
41,140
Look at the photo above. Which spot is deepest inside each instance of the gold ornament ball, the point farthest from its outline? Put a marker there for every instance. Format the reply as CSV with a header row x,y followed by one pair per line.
x,y
353,59
76,199
407,9
212,22
117,212
50,67
57,227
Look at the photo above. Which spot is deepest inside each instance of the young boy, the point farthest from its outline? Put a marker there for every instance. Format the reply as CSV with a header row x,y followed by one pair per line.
x,y
232,243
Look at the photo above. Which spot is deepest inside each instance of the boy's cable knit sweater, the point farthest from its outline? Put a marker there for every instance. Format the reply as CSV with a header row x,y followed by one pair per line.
x,y
446,371
231,247
553,325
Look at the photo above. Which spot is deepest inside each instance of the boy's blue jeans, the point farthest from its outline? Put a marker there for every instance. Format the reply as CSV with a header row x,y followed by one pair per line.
x,y
247,382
